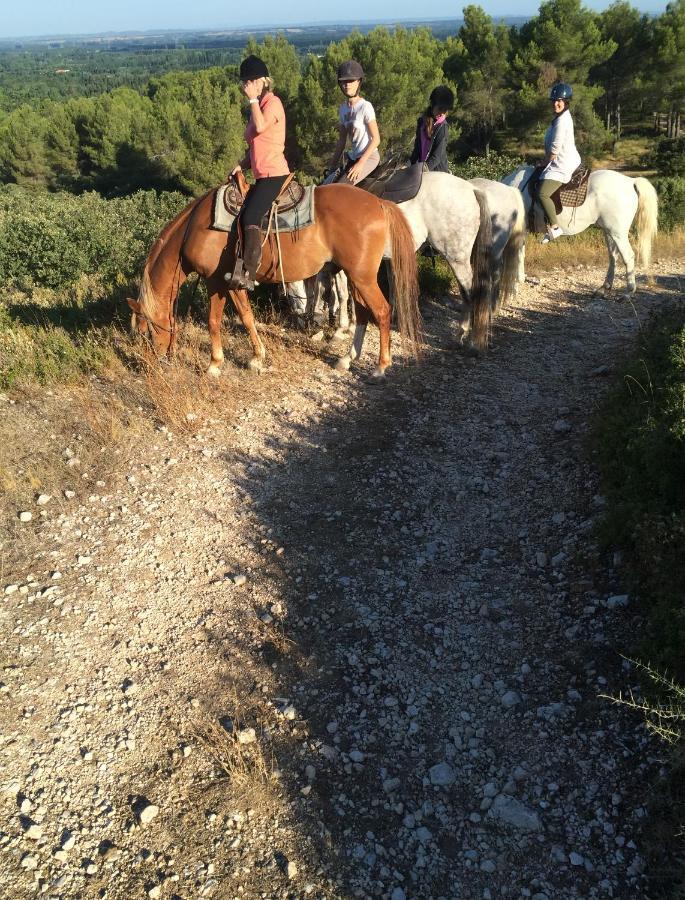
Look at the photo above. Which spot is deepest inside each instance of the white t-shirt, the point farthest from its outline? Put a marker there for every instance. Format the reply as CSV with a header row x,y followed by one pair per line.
x,y
355,119
560,140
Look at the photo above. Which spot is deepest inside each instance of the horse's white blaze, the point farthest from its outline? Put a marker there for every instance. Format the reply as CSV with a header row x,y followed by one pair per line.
x,y
612,203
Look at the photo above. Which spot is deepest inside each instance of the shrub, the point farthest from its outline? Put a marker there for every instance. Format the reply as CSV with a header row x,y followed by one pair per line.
x,y
671,202
52,240
668,157
495,166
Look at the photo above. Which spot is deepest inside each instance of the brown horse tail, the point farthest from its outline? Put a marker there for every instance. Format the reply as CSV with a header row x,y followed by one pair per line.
x,y
405,276
482,280
511,256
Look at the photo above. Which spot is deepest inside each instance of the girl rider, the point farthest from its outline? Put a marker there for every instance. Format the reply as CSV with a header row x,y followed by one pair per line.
x,y
358,123
561,157
430,146
265,136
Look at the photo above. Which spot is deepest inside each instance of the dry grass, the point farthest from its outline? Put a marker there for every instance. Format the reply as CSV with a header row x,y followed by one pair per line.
x,y
590,249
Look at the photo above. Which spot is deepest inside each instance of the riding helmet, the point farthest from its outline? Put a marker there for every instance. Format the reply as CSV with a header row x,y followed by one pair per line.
x,y
442,97
350,70
252,68
561,91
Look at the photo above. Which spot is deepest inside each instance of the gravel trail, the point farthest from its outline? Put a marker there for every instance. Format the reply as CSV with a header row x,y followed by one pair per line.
x,y
350,644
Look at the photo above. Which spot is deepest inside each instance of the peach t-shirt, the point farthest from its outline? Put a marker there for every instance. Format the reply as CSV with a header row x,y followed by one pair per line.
x,y
266,149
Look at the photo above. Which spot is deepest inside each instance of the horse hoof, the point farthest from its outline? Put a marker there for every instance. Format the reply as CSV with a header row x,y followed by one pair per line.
x,y
214,371
256,365
377,376
343,364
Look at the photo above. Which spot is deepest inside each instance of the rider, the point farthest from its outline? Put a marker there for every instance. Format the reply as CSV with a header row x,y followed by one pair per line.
x,y
265,135
561,157
430,145
357,120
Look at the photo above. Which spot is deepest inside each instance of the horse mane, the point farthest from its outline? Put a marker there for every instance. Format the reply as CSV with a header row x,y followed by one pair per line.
x,y
146,294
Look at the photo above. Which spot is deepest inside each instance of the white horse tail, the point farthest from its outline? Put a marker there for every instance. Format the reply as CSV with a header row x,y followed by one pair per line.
x,y
481,289
510,258
646,220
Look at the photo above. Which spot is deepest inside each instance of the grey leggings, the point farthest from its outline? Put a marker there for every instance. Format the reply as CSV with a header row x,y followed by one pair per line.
x,y
545,191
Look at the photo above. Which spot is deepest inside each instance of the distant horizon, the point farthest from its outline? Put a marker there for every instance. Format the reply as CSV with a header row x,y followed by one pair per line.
x,y
146,28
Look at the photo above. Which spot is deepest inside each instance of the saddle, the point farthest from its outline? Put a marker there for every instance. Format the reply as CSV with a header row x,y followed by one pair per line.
x,y
388,182
571,194
295,205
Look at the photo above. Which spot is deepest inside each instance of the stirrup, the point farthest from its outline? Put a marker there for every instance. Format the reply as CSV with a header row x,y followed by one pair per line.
x,y
239,279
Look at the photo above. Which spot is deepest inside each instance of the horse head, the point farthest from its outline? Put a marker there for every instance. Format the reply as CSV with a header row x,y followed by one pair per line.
x,y
146,320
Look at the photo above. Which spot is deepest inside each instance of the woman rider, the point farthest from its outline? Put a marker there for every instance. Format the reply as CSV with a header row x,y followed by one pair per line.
x,y
430,146
561,157
357,121
265,135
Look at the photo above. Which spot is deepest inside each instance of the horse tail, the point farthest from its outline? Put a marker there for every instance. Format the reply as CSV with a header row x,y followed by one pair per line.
x,y
510,258
646,220
482,280
405,277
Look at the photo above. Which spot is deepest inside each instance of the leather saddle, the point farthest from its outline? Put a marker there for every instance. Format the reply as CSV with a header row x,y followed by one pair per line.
x,y
237,189
388,182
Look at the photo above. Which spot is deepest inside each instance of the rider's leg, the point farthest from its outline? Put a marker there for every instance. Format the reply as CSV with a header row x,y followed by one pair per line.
x,y
370,164
547,187
259,198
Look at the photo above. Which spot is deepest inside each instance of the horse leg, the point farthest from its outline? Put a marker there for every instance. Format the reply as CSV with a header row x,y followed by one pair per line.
x,y
373,304
623,245
217,301
242,304
339,287
464,275
609,280
355,351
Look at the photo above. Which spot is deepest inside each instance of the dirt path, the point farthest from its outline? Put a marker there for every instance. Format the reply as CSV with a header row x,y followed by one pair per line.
x,y
350,644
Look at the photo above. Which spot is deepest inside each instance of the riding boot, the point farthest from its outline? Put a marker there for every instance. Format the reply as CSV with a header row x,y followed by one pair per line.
x,y
243,275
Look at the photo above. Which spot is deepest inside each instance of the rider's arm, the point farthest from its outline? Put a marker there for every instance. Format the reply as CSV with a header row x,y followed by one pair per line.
x,y
437,157
339,147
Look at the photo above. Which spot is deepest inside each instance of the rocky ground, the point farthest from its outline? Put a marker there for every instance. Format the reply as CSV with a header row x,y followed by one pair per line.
x,y
351,642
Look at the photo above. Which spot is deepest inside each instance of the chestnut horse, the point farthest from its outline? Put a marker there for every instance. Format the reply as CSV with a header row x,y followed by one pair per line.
x,y
352,229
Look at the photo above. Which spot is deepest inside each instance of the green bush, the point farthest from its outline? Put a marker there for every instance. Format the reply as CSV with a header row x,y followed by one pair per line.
x,y
495,166
641,442
52,240
671,202
668,157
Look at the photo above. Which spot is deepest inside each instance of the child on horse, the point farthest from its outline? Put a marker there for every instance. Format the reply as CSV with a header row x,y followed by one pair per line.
x,y
357,121
265,136
561,157
430,145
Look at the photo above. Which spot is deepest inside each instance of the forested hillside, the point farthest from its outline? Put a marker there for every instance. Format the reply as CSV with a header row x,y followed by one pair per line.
x,y
182,129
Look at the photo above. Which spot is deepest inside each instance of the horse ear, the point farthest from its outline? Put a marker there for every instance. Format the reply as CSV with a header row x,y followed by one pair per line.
x,y
134,304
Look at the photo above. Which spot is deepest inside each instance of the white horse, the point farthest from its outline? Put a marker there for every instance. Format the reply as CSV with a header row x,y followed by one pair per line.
x,y
452,216
613,201
508,216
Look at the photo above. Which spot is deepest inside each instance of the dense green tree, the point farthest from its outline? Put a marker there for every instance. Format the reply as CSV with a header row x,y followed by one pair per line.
x,y
480,69
622,75
22,148
668,82
283,63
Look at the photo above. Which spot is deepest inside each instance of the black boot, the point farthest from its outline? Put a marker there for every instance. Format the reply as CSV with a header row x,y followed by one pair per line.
x,y
243,275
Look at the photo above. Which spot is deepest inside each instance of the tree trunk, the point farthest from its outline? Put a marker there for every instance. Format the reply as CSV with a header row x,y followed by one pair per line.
x,y
618,120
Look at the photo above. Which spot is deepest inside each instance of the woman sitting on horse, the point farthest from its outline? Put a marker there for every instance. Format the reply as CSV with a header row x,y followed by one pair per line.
x,y
357,121
561,157
430,145
265,136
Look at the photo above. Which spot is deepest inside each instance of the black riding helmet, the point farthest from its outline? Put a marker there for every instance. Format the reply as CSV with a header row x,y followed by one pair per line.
x,y
350,70
252,68
442,97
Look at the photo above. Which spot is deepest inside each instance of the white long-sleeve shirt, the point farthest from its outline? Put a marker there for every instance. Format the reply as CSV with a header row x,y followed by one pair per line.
x,y
560,140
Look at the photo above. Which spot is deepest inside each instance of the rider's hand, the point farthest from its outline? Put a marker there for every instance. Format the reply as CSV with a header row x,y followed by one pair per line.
x,y
237,169
354,173
252,89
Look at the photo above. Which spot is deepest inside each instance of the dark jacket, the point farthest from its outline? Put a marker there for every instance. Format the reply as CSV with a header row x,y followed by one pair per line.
x,y
437,155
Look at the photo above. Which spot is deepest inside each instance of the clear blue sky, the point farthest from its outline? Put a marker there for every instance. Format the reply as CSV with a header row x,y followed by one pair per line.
x,y
44,17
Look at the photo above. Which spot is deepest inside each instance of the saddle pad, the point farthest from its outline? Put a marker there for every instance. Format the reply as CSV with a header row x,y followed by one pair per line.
x,y
398,185
297,217
574,192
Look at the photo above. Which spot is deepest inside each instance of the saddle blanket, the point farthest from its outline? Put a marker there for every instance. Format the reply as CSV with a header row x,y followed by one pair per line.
x,y
300,216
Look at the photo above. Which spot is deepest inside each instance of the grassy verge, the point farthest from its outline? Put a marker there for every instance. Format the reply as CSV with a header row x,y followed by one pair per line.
x,y
640,439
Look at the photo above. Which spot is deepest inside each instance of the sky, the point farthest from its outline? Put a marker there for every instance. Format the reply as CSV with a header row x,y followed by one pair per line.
x,y
52,17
